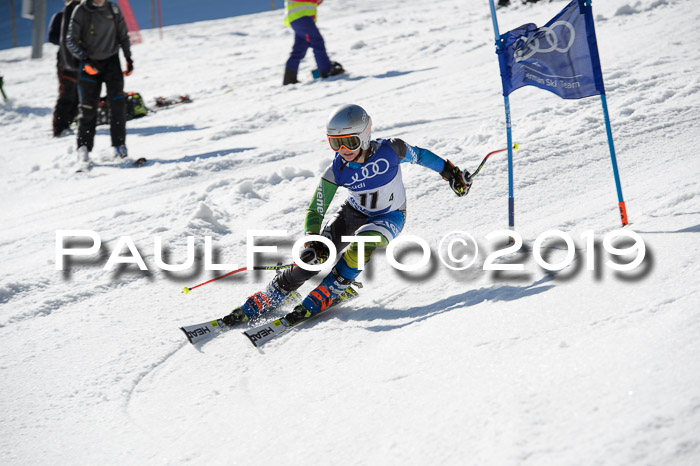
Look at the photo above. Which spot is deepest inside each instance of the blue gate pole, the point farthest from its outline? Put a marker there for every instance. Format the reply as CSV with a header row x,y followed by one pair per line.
x,y
608,131
509,137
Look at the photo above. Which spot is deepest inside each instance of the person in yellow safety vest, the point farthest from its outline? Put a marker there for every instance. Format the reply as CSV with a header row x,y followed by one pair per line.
x,y
301,16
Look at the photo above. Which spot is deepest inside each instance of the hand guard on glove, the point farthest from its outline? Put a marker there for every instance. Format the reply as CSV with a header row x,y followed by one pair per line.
x,y
458,179
315,252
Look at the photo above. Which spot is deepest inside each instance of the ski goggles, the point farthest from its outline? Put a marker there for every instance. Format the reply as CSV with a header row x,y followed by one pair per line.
x,y
349,141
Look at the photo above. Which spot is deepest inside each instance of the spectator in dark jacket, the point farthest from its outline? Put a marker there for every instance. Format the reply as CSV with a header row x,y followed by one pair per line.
x,y
97,31
66,108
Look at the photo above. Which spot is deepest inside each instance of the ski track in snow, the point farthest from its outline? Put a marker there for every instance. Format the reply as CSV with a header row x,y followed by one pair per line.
x,y
432,367
156,365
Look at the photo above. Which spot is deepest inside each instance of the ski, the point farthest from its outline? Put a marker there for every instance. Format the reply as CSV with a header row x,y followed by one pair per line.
x,y
141,161
164,102
126,162
261,334
206,330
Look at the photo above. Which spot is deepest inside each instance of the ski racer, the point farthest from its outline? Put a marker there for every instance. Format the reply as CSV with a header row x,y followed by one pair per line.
x,y
376,207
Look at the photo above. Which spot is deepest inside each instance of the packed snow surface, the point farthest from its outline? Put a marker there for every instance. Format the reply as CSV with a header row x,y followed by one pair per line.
x,y
434,366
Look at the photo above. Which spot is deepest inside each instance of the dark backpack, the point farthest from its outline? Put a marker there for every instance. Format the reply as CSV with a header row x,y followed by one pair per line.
x,y
135,108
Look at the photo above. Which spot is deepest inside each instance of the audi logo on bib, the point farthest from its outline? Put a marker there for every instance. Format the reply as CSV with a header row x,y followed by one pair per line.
x,y
370,170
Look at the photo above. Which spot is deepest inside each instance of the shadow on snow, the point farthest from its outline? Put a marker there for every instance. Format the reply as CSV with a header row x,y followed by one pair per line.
x,y
150,130
469,298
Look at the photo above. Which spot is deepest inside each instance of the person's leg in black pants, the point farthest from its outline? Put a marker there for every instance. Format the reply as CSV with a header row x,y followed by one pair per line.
x,y
114,80
67,103
89,88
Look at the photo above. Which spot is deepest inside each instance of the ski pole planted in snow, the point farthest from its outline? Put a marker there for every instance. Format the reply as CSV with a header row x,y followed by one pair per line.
x,y
186,290
515,147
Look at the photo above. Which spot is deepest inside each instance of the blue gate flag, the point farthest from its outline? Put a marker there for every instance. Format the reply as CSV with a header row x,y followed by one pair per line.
x,y
560,57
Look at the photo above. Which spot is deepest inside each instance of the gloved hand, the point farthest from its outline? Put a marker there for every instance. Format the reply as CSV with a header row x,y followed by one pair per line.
x,y
129,67
315,252
458,179
90,68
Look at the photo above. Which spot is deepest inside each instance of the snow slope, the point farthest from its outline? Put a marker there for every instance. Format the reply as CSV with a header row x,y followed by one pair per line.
x,y
430,367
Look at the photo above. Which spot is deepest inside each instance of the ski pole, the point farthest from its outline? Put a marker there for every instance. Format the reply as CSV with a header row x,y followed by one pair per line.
x,y
515,147
186,290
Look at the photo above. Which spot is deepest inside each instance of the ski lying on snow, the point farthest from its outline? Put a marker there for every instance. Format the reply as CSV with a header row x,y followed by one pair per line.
x,y
166,102
126,163
261,334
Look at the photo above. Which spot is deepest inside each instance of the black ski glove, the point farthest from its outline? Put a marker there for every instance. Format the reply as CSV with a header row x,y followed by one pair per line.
x,y
129,67
315,252
458,179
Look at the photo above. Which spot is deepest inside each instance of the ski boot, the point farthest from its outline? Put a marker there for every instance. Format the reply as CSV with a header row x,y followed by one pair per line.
x,y
300,313
336,69
84,162
290,77
325,294
120,152
260,303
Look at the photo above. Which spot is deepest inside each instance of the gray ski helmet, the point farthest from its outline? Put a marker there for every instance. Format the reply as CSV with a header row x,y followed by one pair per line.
x,y
351,120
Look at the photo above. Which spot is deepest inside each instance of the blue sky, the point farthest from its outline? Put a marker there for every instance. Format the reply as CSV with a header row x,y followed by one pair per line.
x,y
174,12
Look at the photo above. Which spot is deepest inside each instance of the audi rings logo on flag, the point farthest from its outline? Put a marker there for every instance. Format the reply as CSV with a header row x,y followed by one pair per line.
x,y
370,170
555,37
526,55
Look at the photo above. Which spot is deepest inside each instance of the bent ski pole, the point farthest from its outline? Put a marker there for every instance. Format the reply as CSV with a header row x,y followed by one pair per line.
x,y
515,147
186,290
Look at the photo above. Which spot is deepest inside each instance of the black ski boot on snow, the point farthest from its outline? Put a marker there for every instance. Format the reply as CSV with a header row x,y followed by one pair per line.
x,y
290,77
336,69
